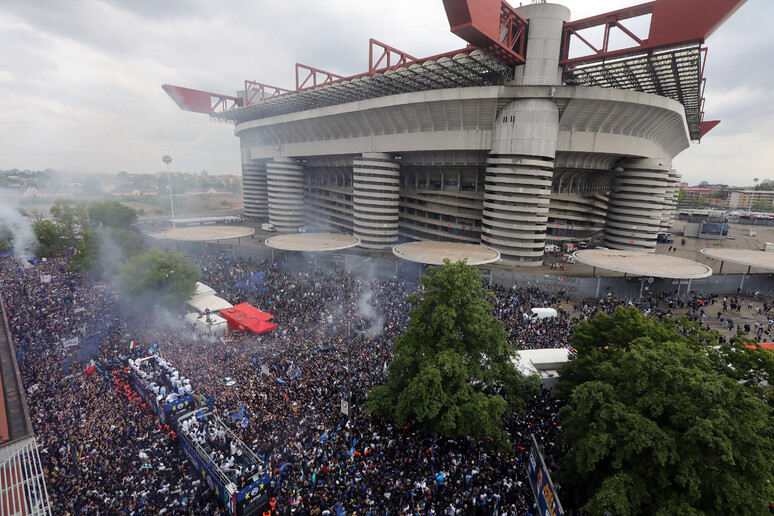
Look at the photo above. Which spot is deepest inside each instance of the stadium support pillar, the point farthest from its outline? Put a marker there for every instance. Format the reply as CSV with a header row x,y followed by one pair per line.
x,y
518,181
521,163
254,190
285,185
375,200
636,205
670,201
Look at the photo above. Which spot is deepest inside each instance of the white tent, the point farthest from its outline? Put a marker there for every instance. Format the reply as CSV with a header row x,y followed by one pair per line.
x,y
202,289
543,362
213,302
216,326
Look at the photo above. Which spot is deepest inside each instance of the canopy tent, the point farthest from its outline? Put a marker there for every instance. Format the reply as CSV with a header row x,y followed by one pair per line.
x,y
245,317
202,289
214,303
215,326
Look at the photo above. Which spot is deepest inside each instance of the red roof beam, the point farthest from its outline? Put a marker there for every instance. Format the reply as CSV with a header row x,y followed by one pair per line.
x,y
199,101
311,75
482,23
673,24
256,91
387,52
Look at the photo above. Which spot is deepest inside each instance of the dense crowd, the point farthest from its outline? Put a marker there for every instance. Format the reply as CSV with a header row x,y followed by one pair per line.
x,y
105,453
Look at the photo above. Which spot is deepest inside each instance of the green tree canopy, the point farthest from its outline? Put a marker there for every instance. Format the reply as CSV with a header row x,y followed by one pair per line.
x,y
763,206
656,423
102,251
6,238
69,213
53,238
452,371
112,214
156,277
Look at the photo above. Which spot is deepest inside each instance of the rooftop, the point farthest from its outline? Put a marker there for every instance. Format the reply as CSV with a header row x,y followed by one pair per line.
x,y
312,242
434,253
642,264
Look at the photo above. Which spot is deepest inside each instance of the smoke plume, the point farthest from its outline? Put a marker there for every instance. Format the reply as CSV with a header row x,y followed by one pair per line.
x,y
21,229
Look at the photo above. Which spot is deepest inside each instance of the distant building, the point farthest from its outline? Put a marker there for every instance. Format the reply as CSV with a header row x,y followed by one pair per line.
x,y
746,199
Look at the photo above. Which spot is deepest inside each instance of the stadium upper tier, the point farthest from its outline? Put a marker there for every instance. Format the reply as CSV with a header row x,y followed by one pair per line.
x,y
517,140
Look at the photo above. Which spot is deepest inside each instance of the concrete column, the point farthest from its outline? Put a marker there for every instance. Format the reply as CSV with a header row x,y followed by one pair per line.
x,y
285,181
636,204
375,200
518,180
670,201
544,43
521,163
254,190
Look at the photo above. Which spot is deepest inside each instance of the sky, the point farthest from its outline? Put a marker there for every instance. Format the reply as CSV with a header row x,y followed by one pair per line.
x,y
80,80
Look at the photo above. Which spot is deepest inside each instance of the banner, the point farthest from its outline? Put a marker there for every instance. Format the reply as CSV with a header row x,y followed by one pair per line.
x,y
69,343
540,480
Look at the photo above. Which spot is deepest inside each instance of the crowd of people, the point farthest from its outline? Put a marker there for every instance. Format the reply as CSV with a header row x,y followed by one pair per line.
x,y
104,452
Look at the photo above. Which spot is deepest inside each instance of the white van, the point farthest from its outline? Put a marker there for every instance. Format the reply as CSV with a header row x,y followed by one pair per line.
x,y
267,227
535,314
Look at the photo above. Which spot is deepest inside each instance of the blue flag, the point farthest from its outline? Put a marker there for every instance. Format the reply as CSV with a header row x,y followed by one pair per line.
x,y
201,416
245,422
239,415
324,436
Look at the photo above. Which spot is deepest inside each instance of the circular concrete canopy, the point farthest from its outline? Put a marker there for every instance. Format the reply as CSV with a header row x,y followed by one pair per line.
x,y
311,242
433,253
749,257
206,233
638,263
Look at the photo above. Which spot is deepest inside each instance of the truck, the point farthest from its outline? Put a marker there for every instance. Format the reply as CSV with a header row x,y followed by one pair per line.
x,y
266,226
570,247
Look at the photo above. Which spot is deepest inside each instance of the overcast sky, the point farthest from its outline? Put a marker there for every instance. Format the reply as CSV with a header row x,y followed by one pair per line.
x,y
80,80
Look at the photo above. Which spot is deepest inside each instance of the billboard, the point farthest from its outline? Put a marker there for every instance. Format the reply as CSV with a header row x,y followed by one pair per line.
x,y
540,480
713,230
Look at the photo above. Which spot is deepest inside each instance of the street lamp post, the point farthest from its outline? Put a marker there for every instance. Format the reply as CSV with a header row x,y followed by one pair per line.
x,y
167,159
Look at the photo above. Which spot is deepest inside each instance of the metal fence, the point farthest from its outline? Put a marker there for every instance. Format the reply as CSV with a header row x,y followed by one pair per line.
x,y
363,266
22,486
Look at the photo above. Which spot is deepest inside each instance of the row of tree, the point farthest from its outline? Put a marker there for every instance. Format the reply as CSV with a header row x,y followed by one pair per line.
x,y
111,248
658,419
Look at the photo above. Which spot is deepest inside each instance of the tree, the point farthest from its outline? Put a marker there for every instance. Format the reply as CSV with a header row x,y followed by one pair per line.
x,y
102,251
657,424
112,214
763,206
155,277
6,238
452,371
69,213
53,238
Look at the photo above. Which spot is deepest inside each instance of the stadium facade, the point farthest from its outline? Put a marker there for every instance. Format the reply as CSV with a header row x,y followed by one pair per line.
x,y
530,135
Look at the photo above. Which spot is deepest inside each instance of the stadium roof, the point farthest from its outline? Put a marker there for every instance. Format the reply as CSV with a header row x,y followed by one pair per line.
x,y
470,67
675,74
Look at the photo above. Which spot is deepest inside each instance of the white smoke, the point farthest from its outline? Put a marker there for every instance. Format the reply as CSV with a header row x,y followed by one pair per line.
x,y
21,229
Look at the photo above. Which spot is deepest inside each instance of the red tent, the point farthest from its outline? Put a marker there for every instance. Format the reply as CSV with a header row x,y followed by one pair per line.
x,y
245,317
764,345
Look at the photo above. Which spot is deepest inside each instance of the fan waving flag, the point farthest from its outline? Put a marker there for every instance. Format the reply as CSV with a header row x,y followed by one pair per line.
x,y
91,368
133,344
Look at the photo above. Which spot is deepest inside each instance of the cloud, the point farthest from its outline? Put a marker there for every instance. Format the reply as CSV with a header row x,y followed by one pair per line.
x,y
80,79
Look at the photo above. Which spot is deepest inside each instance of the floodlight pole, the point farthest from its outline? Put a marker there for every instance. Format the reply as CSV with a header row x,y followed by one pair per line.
x,y
167,159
